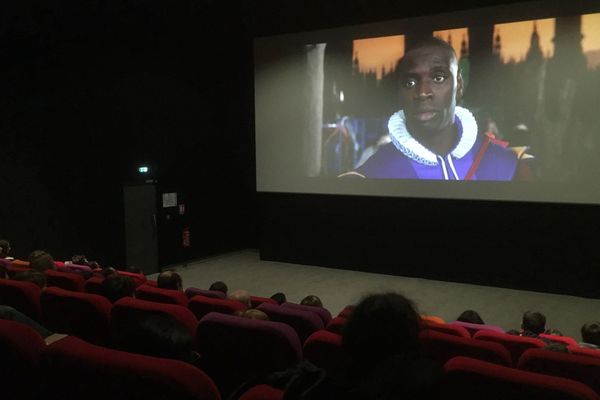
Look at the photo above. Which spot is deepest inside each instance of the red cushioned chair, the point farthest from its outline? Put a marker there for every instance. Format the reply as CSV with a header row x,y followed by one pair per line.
x,y
346,311
567,341
262,392
466,378
20,263
256,301
234,349
322,312
94,285
324,349
336,325
305,323
22,296
168,296
474,328
138,279
583,351
442,347
13,271
126,312
447,328
201,305
150,282
78,370
516,345
81,314
65,280
572,366
215,294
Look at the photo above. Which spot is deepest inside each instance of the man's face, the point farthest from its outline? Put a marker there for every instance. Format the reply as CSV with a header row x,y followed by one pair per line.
x,y
429,87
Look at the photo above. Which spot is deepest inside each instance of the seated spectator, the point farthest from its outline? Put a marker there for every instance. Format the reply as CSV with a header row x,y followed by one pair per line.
x,y
39,260
219,286
471,317
5,250
242,296
160,335
533,324
279,298
81,259
253,313
108,271
554,332
311,300
115,287
170,280
590,335
11,314
37,277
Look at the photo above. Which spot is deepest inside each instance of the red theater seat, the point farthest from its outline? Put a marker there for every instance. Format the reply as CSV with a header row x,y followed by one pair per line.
x,y
474,328
262,392
94,285
572,366
256,301
516,345
21,348
466,378
346,311
234,349
583,351
324,349
65,280
77,370
336,325
13,271
322,312
215,294
567,341
81,314
168,296
138,279
305,323
22,296
442,347
201,305
447,328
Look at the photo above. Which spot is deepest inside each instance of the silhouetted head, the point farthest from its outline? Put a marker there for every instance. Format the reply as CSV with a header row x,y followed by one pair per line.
x,y
590,333
279,297
41,261
534,322
115,287
79,259
242,296
219,286
170,280
312,300
37,277
253,313
471,317
4,248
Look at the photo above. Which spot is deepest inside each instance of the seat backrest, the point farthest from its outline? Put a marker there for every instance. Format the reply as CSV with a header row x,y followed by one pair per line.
x,y
262,392
235,349
474,328
572,366
467,378
305,323
84,315
22,296
99,373
168,296
324,349
13,271
584,351
346,311
138,279
447,328
256,301
202,305
126,312
322,312
336,325
442,347
20,263
567,341
215,294
94,285
516,345
21,348
65,280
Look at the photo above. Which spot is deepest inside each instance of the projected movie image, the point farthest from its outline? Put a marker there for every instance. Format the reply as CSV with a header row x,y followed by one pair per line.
x,y
516,100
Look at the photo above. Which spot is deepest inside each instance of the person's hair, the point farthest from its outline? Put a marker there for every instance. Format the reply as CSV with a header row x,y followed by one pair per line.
x,y
534,321
253,313
554,332
219,286
279,297
432,41
159,335
470,316
37,277
108,271
169,280
41,261
240,295
381,326
311,300
4,247
115,287
79,259
590,333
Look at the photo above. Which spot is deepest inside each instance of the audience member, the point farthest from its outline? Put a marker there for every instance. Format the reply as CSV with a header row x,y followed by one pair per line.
x,y
5,250
242,296
11,314
37,277
311,300
279,298
590,335
39,260
554,332
219,286
108,271
533,324
170,280
471,317
253,313
115,287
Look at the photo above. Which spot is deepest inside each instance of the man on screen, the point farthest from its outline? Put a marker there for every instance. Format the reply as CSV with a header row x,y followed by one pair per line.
x,y
432,137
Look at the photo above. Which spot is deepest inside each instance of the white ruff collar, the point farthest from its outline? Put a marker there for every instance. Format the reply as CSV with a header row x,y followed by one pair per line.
x,y
414,150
